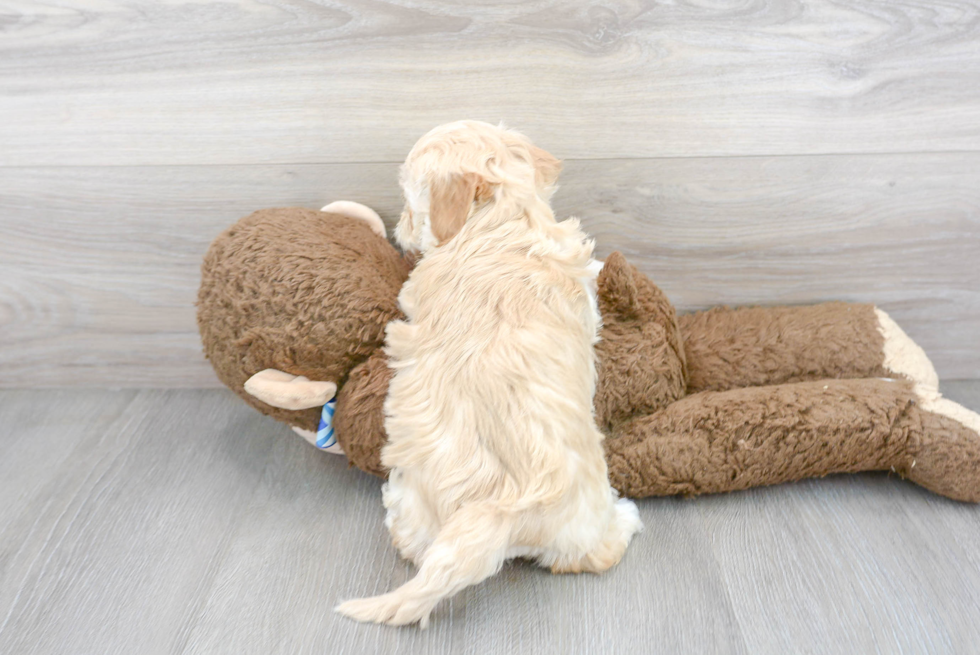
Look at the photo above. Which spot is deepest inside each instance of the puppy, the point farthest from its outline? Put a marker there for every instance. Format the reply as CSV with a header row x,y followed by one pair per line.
x,y
492,444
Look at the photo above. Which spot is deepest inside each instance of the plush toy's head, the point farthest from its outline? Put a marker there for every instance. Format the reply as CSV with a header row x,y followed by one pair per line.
x,y
298,290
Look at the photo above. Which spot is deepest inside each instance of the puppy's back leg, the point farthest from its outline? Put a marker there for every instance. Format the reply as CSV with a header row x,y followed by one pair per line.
x,y
624,524
470,547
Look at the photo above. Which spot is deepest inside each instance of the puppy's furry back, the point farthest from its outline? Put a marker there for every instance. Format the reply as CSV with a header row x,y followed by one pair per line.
x,y
493,447
495,373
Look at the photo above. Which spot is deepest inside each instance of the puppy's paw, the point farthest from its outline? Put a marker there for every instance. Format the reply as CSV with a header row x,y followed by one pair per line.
x,y
392,609
624,524
628,518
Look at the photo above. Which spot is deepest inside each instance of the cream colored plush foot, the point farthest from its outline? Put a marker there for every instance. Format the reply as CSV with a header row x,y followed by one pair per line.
x,y
939,405
287,391
357,210
904,356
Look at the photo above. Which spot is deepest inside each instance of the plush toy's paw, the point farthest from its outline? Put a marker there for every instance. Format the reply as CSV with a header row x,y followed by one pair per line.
x,y
904,356
952,410
946,456
357,210
286,391
617,288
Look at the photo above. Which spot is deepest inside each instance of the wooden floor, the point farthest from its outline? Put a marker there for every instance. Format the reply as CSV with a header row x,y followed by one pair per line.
x,y
178,521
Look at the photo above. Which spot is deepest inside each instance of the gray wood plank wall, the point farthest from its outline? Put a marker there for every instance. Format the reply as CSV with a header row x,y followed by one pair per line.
x,y
754,152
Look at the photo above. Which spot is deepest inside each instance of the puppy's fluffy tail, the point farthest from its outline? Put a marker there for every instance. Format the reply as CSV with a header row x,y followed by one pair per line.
x,y
470,547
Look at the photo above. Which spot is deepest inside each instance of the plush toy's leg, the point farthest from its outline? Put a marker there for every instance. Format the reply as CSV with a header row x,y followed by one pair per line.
x,y
735,348
357,210
946,456
722,441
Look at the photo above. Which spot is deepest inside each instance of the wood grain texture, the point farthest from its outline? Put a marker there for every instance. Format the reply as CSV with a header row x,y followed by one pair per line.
x,y
99,267
316,556
183,522
835,571
124,82
116,549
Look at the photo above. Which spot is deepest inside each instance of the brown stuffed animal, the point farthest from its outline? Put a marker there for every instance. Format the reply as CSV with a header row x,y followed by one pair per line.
x,y
293,305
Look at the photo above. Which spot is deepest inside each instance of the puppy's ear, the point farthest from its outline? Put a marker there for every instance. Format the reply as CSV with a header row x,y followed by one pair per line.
x,y
450,201
546,167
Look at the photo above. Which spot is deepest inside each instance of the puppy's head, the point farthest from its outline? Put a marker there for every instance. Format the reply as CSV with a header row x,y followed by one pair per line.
x,y
458,168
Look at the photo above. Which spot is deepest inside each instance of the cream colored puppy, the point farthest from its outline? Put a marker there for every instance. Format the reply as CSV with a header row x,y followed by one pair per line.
x,y
492,445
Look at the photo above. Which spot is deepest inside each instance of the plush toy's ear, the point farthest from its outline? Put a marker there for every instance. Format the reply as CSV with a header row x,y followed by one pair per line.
x,y
546,167
286,391
450,202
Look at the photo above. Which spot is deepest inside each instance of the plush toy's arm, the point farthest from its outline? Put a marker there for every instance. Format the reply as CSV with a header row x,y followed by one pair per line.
x,y
360,419
714,442
640,353
733,348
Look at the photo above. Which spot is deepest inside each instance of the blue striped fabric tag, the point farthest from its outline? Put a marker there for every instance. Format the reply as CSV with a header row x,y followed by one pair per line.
x,y
325,438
